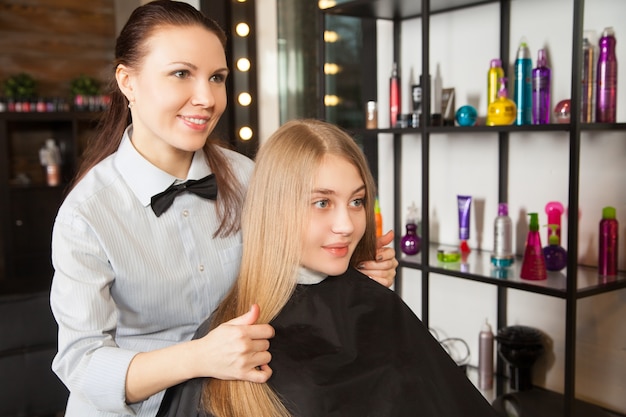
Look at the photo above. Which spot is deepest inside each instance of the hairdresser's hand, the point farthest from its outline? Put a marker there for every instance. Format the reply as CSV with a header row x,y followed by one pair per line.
x,y
238,349
383,269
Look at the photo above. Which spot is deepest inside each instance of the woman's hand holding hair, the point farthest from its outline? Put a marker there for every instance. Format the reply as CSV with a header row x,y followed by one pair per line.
x,y
383,269
237,349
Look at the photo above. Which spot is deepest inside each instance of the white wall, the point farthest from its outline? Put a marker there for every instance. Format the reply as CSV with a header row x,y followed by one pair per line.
x,y
463,43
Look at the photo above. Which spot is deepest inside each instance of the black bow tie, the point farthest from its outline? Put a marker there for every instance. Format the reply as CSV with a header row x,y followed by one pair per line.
x,y
205,188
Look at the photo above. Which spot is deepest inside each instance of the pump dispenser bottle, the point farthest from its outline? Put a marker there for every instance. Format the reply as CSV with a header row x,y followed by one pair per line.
x,y
501,112
411,242
534,264
554,254
541,75
523,85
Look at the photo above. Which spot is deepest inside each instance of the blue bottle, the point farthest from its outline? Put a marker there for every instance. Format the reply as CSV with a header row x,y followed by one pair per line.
x,y
523,85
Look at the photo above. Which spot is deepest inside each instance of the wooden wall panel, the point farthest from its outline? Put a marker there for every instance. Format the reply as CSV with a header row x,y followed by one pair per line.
x,y
56,40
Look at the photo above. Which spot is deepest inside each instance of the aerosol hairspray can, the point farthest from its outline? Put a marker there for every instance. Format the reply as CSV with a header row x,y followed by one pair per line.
x,y
485,357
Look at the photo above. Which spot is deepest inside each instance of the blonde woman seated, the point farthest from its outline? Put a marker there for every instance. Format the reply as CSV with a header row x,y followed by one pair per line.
x,y
344,345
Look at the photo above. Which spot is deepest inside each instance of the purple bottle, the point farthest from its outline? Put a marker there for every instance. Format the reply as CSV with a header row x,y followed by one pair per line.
x,y
608,248
411,242
606,91
541,90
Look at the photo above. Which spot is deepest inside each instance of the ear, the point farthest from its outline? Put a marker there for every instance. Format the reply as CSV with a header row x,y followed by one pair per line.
x,y
124,80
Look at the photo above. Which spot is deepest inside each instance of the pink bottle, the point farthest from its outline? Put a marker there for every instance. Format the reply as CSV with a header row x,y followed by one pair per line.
x,y
554,210
607,254
534,264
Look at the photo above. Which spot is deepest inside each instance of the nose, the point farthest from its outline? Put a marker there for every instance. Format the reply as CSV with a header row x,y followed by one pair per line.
x,y
203,94
342,221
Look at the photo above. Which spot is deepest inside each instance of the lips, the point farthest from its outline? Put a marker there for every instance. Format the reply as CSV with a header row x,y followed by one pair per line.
x,y
197,123
337,250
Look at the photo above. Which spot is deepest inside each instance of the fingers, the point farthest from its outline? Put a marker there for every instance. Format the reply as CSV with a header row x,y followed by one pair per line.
x,y
249,318
384,240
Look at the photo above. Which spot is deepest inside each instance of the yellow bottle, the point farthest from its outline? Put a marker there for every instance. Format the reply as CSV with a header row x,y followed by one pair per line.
x,y
494,77
503,111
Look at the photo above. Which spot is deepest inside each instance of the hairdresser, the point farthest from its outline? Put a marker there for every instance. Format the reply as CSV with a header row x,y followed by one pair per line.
x,y
147,242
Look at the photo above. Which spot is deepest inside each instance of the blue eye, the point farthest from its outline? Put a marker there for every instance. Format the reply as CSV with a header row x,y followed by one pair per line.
x,y
321,204
358,202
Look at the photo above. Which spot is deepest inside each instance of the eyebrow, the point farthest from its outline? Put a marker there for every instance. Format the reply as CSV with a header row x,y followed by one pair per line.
x,y
327,191
195,67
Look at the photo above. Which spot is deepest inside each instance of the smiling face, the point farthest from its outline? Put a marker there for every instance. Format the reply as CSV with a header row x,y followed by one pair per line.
x,y
177,94
337,217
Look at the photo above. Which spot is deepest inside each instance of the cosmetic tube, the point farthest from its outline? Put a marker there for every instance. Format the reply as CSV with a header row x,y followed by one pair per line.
x,y
394,96
379,218
464,203
554,210
534,264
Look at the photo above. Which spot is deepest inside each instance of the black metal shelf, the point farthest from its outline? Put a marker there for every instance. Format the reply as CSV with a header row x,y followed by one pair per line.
x,y
399,9
477,267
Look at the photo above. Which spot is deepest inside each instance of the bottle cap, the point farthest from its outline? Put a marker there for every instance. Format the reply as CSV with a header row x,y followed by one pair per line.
x,y
542,61
486,327
608,212
412,213
503,209
503,91
376,207
534,222
608,31
496,63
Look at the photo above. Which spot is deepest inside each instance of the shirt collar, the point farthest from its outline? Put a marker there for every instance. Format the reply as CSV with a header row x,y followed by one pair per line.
x,y
144,178
309,277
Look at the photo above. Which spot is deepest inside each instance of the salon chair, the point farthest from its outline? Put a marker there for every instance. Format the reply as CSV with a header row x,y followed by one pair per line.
x,y
28,342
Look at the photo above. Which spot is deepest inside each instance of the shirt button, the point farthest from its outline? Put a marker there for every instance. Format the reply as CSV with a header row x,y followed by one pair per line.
x,y
185,213
201,268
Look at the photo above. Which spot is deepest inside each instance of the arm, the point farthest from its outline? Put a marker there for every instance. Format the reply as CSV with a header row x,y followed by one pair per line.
x,y
383,269
234,350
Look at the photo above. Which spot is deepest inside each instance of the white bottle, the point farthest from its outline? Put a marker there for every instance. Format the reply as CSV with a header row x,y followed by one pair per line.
x,y
502,255
485,357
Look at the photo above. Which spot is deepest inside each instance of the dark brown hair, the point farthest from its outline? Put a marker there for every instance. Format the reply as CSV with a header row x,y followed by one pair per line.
x,y
130,50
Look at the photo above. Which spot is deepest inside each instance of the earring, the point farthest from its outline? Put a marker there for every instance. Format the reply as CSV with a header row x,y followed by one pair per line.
x,y
130,104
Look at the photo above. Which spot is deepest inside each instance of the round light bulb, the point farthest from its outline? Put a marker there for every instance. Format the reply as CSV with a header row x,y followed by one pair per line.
x,y
243,64
242,29
245,133
244,99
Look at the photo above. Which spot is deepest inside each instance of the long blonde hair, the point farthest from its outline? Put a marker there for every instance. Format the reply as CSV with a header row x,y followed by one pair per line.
x,y
273,222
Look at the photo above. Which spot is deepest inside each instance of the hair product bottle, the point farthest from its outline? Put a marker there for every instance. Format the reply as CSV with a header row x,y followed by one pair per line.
x,y
608,248
411,243
523,85
494,77
554,254
501,112
394,96
587,82
379,219
371,115
606,91
554,210
534,264
485,357
541,76
502,255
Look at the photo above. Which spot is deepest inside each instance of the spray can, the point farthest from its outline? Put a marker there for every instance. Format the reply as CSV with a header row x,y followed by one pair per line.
x,y
502,255
494,75
523,85
394,96
485,357
587,83
608,248
541,75
606,91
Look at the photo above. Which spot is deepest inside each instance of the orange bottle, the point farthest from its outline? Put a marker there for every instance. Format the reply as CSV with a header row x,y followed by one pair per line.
x,y
379,219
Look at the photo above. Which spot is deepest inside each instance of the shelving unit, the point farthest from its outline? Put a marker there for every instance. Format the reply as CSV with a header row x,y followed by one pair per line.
x,y
576,282
29,206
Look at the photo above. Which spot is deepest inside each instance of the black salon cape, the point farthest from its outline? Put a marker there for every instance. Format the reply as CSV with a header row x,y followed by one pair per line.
x,y
349,347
